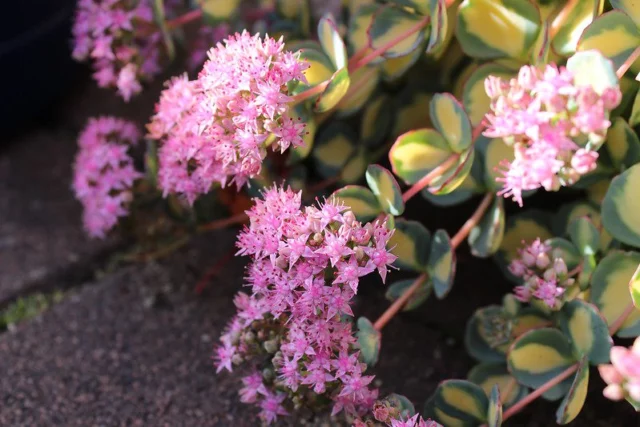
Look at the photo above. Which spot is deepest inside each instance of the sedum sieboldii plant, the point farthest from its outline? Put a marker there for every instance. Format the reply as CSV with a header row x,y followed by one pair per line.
x,y
375,105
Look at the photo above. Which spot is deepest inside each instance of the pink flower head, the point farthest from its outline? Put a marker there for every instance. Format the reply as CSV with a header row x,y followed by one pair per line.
x,y
623,374
415,421
548,119
104,172
216,127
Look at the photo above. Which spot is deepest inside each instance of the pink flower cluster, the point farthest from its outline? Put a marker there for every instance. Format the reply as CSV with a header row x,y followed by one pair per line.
x,y
623,374
215,129
122,39
386,413
554,126
104,172
306,265
545,275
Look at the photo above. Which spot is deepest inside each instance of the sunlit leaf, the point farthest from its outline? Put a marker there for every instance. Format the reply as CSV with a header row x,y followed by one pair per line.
x,y
411,242
360,200
441,263
386,189
369,341
587,330
621,206
574,400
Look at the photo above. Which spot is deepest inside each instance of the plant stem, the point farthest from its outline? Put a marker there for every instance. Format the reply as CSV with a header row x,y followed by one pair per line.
x,y
539,391
397,305
316,90
222,223
561,18
426,180
165,250
628,63
617,324
184,19
508,389
322,185
358,56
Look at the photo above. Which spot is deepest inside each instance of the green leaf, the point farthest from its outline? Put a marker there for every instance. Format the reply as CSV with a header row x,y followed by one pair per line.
x,y
331,41
634,288
441,263
610,290
613,34
394,68
360,200
584,235
336,89
623,145
397,289
574,400
320,68
363,84
376,120
490,375
571,211
161,22
386,189
497,28
589,67
359,24
542,47
215,11
439,25
400,403
355,168
630,7
461,400
369,341
333,147
418,152
451,120
539,355
453,177
390,23
474,97
486,237
587,330
494,416
477,342
496,152
562,248
621,206
572,23
634,119
410,242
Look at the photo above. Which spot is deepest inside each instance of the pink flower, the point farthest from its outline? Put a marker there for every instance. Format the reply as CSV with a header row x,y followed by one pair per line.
x,y
215,128
128,84
623,374
104,172
544,115
415,421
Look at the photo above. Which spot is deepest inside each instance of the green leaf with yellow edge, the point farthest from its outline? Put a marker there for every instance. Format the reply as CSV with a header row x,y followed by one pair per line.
x,y
376,120
477,340
574,400
400,403
474,97
470,186
634,119
630,7
331,41
584,235
215,11
333,147
571,24
161,21
494,415
565,249
623,145
489,375
363,83
412,111
296,154
489,29
410,242
416,153
390,23
448,117
336,89
439,24
571,211
360,200
485,238
453,177
542,46
614,34
621,206
394,68
610,290
386,189
397,289
355,168
591,68
587,330
538,356
634,288
461,400
320,68
528,319
369,341
441,263
358,29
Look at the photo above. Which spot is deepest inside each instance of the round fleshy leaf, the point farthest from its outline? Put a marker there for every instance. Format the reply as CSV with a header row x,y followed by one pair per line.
x,y
634,288
449,117
386,189
538,356
359,23
474,97
336,89
566,250
418,6
621,206
584,235
589,67
360,200
390,23
331,41
574,400
486,237
397,289
410,242
571,211
439,25
634,119
461,400
542,46
623,145
363,83
394,68
476,341
453,177
528,319
496,152
614,34
441,263
412,111
416,153
320,68
572,23
490,375
610,290
355,168
214,11
333,147
403,405
630,7
494,415
369,341
497,28
587,330
376,120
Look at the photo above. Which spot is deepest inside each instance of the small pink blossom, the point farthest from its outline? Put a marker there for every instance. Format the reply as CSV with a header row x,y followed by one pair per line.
x,y
623,374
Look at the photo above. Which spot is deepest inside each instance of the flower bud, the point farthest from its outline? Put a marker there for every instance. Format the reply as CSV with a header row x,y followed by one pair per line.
x,y
249,337
549,274
236,359
271,346
268,375
560,266
528,259
543,261
349,218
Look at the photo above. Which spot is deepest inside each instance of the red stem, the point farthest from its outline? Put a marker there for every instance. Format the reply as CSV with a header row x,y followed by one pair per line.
x,y
426,180
628,63
184,19
225,222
